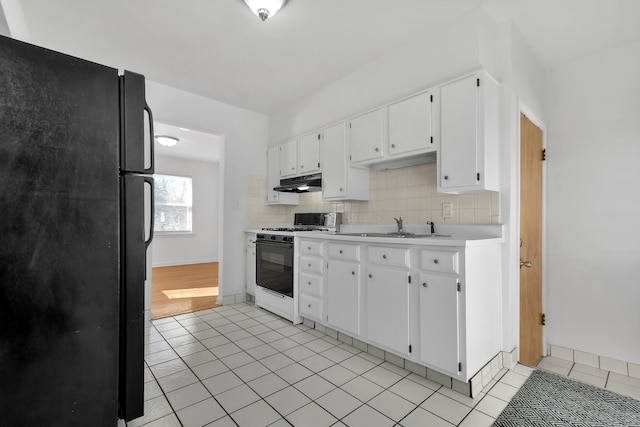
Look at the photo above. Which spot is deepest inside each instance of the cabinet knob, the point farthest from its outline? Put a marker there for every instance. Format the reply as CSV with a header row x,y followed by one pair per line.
x,y
393,145
370,277
384,256
301,166
309,305
340,250
308,248
353,273
377,149
309,283
310,264
446,177
424,284
435,261
293,168
341,190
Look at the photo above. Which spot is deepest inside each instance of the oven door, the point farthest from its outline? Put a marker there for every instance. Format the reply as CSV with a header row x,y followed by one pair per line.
x,y
274,266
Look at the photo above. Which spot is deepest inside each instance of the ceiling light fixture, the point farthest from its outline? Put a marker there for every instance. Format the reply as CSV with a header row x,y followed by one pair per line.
x,y
167,141
265,8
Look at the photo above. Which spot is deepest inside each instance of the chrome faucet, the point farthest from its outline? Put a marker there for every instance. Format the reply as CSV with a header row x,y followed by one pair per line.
x,y
433,227
399,222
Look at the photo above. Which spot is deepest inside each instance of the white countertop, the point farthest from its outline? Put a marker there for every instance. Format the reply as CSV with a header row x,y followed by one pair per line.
x,y
461,235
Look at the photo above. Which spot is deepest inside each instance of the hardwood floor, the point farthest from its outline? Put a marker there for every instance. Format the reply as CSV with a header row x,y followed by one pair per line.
x,y
183,288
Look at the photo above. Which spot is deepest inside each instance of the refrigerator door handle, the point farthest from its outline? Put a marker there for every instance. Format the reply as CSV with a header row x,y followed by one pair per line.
x,y
149,181
152,138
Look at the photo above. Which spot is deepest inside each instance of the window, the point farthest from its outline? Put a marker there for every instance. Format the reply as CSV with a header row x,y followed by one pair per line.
x,y
173,204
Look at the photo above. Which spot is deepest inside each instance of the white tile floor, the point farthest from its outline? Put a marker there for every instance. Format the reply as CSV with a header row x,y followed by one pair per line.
x,y
239,365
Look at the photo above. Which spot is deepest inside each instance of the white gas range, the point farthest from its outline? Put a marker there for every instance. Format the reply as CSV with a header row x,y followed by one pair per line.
x,y
276,269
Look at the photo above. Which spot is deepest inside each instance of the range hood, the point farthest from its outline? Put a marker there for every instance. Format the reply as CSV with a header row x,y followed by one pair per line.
x,y
301,184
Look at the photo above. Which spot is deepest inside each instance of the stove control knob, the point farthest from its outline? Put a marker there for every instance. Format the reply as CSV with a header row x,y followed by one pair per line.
x,y
273,237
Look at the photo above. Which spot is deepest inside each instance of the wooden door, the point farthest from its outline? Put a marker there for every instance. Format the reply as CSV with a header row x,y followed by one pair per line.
x,y
531,156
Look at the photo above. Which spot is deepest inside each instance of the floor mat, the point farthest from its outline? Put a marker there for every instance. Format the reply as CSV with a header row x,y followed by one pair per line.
x,y
547,399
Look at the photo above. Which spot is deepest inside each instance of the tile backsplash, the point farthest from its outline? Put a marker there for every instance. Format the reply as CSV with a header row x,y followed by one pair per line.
x,y
409,192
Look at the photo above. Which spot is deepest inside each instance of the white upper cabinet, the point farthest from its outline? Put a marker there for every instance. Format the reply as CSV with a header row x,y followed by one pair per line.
x,y
273,180
469,135
411,125
288,155
367,136
309,154
339,180
300,156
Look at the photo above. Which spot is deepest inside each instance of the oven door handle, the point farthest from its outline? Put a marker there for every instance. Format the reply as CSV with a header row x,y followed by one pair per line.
x,y
274,244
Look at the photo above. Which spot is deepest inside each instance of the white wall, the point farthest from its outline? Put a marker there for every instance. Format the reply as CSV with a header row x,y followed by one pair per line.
x,y
442,54
202,245
522,78
593,107
245,138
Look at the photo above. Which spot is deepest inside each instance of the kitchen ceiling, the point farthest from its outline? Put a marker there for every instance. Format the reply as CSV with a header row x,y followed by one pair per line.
x,y
219,49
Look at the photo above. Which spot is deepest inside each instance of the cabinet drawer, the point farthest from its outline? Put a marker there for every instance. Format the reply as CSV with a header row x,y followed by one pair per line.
x,y
310,307
310,247
311,265
310,284
344,251
439,260
389,256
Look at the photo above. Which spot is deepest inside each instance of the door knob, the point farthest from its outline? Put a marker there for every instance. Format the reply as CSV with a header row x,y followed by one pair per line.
x,y
525,263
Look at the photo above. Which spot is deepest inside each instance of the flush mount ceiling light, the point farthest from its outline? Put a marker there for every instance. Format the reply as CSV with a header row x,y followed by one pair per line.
x,y
265,8
167,141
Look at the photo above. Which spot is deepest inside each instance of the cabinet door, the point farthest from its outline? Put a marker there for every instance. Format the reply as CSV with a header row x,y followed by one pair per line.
x,y
250,268
334,161
439,328
288,158
459,134
410,127
343,295
309,154
367,136
387,305
273,180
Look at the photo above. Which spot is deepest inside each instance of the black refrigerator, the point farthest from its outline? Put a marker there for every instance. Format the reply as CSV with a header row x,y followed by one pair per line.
x,y
76,154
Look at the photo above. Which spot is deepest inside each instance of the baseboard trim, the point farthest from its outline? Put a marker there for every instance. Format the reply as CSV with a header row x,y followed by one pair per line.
x,y
621,367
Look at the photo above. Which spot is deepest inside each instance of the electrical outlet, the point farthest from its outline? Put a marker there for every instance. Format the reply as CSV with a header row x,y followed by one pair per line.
x,y
447,210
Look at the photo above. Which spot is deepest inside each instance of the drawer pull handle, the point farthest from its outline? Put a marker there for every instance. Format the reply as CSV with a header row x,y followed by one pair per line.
x,y
340,250
424,284
435,261
384,257
446,177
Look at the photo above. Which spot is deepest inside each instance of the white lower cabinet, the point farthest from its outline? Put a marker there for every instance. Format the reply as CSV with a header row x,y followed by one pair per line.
x,y
343,295
250,266
387,307
311,279
439,328
438,306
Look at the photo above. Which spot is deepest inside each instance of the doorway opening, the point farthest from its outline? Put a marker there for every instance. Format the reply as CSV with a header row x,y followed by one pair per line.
x,y
185,251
